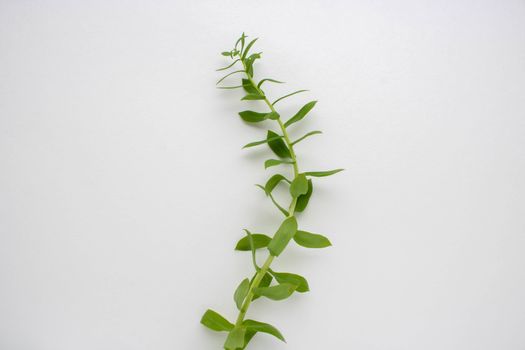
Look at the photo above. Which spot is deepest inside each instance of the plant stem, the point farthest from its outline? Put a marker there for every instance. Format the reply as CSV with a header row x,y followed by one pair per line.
x,y
266,266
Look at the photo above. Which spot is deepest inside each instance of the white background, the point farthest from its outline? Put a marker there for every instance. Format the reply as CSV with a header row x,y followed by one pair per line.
x,y
123,186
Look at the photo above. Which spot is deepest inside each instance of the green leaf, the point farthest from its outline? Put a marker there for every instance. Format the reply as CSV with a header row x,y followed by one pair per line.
x,y
263,328
251,244
216,322
278,292
311,240
252,97
307,135
265,282
227,75
249,63
235,339
273,182
283,235
240,40
229,66
273,162
229,87
278,146
299,186
259,241
323,173
270,80
241,292
286,96
248,87
253,117
226,53
250,44
248,337
302,201
298,280
301,114
285,213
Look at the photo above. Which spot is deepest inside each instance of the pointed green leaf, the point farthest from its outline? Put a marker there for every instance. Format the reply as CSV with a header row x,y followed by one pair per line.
x,y
278,292
226,53
302,200
286,96
270,80
241,292
259,241
298,280
301,114
263,328
283,235
249,63
253,117
273,162
323,173
240,40
265,282
216,322
307,135
299,186
251,244
273,182
248,47
228,66
229,87
311,240
252,97
227,75
278,146
235,339
248,337
248,86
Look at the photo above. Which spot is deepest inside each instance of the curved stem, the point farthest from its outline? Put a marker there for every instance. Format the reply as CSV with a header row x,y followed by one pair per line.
x,y
266,266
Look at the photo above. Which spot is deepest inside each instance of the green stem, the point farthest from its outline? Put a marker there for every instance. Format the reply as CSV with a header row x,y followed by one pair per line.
x,y
266,266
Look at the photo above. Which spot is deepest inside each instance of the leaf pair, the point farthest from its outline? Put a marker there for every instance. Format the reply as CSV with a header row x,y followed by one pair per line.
x,y
303,238
288,283
276,245
240,336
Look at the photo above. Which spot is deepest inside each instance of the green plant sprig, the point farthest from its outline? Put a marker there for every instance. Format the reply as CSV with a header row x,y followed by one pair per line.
x,y
265,282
